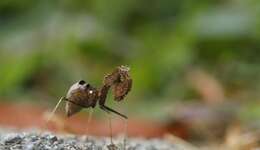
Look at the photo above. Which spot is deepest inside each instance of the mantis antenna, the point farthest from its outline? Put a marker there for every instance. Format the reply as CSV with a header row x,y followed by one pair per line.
x,y
54,110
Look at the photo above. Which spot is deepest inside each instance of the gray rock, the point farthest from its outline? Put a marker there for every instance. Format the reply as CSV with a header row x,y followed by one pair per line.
x,y
49,141
12,139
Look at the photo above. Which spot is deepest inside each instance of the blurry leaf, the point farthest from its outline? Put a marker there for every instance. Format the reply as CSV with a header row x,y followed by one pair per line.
x,y
223,22
15,70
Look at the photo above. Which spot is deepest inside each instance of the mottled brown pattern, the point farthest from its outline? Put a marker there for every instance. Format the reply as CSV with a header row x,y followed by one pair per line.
x,y
120,81
83,95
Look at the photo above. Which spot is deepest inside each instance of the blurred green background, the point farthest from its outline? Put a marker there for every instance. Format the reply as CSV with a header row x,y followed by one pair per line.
x,y
179,52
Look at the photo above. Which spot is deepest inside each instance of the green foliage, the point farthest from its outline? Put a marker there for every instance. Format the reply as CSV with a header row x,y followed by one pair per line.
x,y
47,45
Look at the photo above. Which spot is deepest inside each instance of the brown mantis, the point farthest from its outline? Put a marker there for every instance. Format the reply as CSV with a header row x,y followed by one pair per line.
x,y
83,95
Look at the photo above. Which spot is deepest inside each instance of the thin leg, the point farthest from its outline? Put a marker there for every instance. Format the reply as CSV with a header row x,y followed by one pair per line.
x,y
110,129
125,132
107,109
88,123
110,125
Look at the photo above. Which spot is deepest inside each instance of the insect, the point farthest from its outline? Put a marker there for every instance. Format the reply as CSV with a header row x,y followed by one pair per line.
x,y
84,95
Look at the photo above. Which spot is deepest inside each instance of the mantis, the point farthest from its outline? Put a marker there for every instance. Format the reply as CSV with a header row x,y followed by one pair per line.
x,y
84,95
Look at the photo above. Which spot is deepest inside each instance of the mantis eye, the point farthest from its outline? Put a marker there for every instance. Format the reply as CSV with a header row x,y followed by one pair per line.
x,y
88,86
82,82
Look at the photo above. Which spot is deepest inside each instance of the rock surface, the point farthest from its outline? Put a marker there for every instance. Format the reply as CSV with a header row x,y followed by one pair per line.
x,y
49,141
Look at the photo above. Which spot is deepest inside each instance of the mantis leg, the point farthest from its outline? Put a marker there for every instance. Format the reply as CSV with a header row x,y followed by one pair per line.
x,y
107,109
89,120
